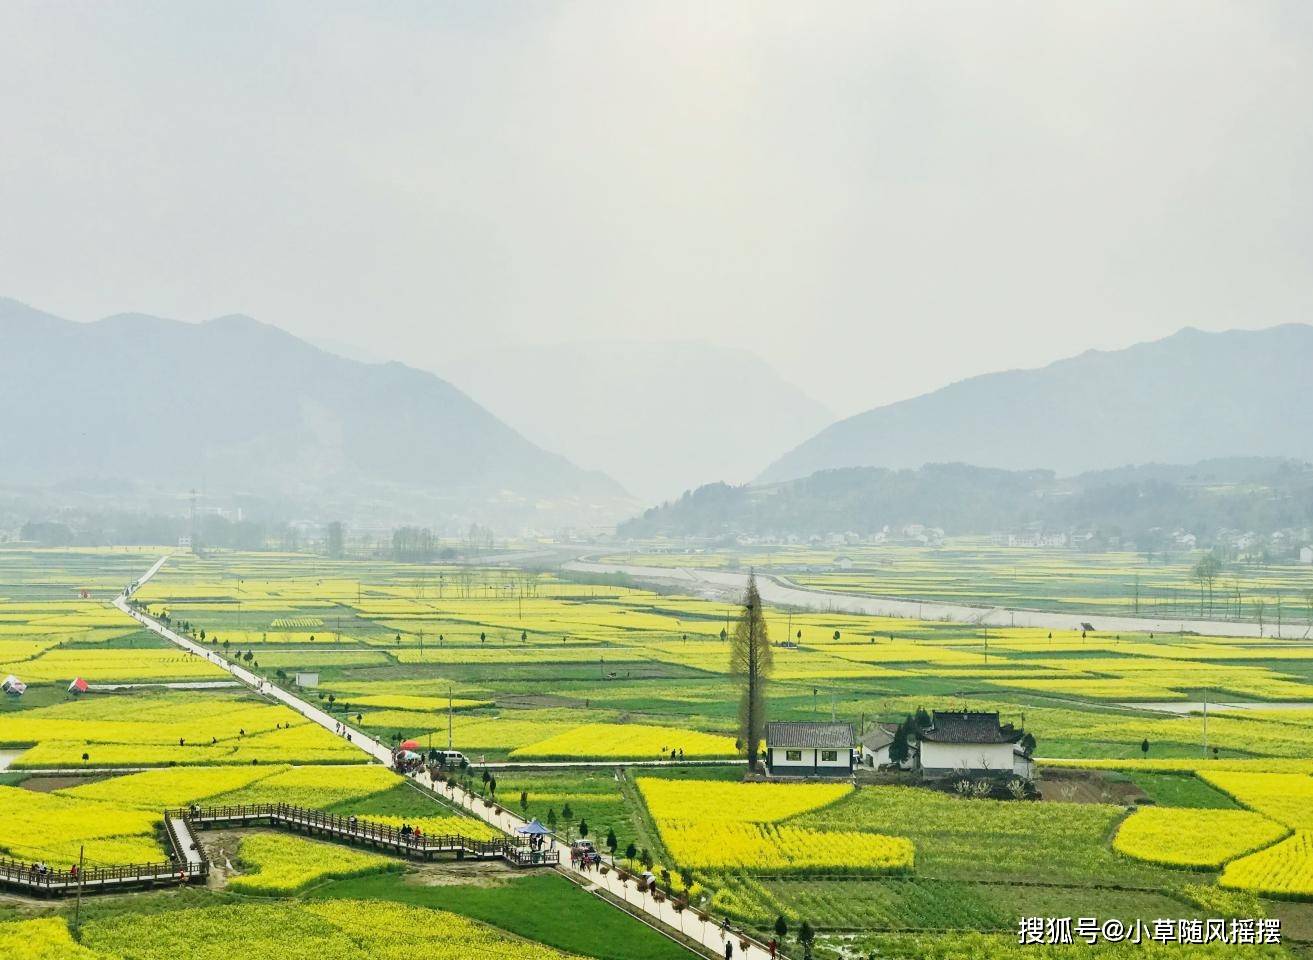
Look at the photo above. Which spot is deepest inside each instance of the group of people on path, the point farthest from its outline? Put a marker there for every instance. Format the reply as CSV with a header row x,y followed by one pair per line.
x,y
39,870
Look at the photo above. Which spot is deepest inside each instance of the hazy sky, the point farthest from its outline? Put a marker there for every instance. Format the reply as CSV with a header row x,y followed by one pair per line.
x,y
877,197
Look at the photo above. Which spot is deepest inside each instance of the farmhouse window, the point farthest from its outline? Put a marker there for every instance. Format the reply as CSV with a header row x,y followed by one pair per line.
x,y
793,756
829,756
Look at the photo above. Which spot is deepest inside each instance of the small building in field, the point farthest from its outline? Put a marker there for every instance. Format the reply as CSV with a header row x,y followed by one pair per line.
x,y
307,680
875,746
797,749
972,743
1306,554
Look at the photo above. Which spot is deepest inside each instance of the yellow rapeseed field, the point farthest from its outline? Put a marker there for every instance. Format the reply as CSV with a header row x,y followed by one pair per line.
x,y
1284,870
723,824
50,828
627,740
43,938
281,930
314,786
1285,797
281,864
1184,837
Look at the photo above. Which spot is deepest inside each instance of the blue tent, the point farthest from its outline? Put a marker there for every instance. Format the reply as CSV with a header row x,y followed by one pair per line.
x,y
534,829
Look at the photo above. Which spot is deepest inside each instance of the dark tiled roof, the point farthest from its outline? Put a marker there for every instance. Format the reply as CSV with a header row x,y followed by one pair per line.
x,y
969,727
877,738
827,736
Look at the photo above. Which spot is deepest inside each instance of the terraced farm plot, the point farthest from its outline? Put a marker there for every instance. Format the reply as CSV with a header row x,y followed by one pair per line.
x,y
590,672
96,666
341,929
156,729
1284,870
1194,838
1286,798
278,864
972,839
37,826
627,741
724,825
169,786
315,787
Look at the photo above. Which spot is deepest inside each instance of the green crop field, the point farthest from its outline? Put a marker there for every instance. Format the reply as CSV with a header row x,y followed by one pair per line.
x,y
976,571
528,666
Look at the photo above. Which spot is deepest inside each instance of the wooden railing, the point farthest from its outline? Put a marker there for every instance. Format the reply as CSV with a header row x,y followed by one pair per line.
x,y
47,881
358,830
183,868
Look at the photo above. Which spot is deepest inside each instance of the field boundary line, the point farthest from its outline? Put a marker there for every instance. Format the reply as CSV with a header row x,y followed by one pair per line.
x,y
497,816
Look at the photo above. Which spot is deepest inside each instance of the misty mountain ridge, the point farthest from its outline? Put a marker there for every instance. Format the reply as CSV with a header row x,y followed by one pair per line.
x,y
1188,397
1146,505
234,404
662,417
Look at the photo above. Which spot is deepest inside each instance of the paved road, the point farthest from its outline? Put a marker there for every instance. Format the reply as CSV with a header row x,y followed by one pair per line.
x,y
662,916
781,591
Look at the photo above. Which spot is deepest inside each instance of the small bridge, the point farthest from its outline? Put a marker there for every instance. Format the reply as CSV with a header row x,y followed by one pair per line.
x,y
189,864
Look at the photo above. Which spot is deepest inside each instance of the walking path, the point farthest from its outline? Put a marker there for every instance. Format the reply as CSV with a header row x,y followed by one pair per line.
x,y
187,846
708,933
781,591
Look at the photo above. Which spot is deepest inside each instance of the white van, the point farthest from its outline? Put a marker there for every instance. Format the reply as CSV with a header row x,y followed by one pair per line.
x,y
452,758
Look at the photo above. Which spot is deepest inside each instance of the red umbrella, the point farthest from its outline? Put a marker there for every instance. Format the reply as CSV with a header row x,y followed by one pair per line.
x,y
409,745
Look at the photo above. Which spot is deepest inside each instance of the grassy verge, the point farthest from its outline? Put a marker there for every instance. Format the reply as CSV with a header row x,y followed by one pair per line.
x,y
542,907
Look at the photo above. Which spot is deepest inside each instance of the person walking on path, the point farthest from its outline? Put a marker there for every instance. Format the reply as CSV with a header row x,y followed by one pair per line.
x,y
729,949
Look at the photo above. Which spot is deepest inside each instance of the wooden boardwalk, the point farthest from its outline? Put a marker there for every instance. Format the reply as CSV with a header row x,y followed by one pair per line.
x,y
360,832
189,864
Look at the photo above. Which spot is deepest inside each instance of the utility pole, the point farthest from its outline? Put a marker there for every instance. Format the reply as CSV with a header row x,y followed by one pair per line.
x,y
448,716
82,866
1205,722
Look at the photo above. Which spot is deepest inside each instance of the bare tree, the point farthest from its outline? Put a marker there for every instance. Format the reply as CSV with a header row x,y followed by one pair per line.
x,y
750,661
1206,571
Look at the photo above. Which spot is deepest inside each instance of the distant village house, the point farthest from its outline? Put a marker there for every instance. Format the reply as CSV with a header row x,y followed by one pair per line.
x,y
798,749
956,743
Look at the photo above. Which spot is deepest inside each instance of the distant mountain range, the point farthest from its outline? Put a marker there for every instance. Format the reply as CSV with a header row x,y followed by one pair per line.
x,y
1146,505
660,417
1189,397
240,406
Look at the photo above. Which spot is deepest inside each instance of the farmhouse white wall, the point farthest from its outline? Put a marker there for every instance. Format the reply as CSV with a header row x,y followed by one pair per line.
x,y
875,758
779,757
966,756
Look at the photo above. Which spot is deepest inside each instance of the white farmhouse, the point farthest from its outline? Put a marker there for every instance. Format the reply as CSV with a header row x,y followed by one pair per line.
x,y
875,747
1306,555
973,743
795,749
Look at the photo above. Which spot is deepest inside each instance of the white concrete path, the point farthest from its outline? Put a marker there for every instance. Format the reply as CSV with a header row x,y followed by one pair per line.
x,y
708,933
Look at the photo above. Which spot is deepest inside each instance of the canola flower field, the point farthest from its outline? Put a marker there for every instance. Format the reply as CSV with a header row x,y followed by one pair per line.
x,y
279,864
977,571
536,667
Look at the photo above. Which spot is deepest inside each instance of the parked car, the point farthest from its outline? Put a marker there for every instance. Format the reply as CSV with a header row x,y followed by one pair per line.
x,y
452,759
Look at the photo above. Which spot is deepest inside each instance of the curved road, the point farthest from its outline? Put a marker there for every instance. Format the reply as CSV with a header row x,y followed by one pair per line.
x,y
780,591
